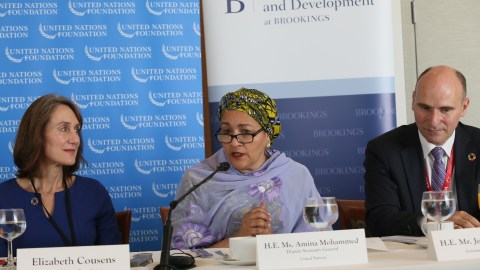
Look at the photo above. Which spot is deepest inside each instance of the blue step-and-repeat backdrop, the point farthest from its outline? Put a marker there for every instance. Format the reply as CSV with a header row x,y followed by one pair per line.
x,y
134,69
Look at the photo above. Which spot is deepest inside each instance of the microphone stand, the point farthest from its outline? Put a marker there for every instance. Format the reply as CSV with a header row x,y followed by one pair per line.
x,y
167,227
167,239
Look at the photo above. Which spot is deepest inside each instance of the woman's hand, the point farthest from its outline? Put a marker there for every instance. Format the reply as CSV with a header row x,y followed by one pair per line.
x,y
256,221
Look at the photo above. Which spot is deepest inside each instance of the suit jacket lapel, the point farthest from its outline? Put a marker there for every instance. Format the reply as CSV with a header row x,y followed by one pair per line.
x,y
413,164
464,170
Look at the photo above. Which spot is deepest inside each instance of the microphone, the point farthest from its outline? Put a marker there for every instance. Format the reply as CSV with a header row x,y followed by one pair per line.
x,y
165,257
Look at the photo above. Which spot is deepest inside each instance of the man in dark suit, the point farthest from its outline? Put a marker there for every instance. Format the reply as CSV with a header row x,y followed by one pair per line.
x,y
398,163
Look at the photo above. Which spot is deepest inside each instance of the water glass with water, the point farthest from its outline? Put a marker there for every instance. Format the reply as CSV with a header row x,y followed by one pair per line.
x,y
12,225
438,206
320,212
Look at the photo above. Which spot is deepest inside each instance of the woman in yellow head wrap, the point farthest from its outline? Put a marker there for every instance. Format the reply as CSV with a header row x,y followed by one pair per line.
x,y
262,192
252,115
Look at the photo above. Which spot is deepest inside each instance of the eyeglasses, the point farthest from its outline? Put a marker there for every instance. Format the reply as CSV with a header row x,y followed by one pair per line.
x,y
241,138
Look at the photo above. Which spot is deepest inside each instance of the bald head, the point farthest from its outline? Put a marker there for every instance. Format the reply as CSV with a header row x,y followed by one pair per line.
x,y
438,103
442,70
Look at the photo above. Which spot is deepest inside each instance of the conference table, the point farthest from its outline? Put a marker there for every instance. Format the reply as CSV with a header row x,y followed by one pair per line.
x,y
398,256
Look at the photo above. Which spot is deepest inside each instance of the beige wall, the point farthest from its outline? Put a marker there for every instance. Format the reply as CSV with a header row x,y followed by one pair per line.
x,y
445,32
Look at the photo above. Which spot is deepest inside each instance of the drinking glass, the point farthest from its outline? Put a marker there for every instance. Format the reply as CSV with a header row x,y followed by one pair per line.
x,y
320,212
438,206
12,225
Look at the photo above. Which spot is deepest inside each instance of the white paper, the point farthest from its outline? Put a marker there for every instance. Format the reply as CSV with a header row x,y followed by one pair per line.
x,y
375,243
401,239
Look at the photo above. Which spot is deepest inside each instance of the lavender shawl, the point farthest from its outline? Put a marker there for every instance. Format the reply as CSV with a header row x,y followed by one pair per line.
x,y
215,210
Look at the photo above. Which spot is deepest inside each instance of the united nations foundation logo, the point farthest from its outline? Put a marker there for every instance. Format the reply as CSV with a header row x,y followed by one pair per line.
x,y
153,99
143,236
196,29
9,125
7,172
18,55
163,98
145,213
145,75
100,146
103,168
28,9
84,101
185,142
150,30
20,77
16,102
181,51
96,123
82,8
125,192
87,76
164,190
133,122
118,53
159,8
13,31
73,31
149,166
162,166
199,117
10,147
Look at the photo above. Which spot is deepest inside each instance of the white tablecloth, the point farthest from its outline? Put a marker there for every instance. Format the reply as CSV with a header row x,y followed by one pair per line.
x,y
400,256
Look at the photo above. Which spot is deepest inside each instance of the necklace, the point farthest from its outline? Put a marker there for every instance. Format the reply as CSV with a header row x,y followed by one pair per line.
x,y
69,214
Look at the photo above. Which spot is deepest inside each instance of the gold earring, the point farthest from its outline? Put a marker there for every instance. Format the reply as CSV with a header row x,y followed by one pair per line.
x,y
268,145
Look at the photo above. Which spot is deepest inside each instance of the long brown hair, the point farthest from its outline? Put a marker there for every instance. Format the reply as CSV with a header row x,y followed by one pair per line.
x,y
30,140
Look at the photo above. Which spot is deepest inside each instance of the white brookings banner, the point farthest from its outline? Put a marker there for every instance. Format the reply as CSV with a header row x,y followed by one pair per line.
x,y
330,65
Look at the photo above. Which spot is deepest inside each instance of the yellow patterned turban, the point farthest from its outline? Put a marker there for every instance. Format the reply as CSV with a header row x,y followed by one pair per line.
x,y
256,104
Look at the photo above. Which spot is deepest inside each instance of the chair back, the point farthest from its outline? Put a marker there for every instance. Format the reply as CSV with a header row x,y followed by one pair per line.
x,y
164,213
351,214
124,220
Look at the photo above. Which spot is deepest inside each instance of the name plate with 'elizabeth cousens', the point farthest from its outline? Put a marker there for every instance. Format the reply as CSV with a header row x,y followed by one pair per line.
x,y
313,249
111,257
